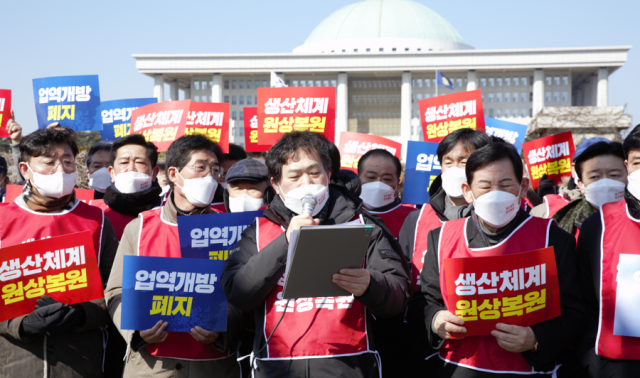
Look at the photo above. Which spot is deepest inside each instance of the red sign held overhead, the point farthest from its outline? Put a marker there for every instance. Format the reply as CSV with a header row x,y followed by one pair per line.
x,y
211,120
283,110
251,131
5,112
64,268
442,115
353,145
519,289
551,155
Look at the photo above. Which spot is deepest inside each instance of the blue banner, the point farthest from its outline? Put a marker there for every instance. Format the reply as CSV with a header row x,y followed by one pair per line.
x,y
511,132
116,116
183,292
422,168
213,236
72,101
625,322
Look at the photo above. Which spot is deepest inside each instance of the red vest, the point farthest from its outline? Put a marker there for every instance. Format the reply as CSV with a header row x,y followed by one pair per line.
x,y
620,232
394,218
312,327
20,225
159,238
427,221
218,207
554,202
483,352
118,220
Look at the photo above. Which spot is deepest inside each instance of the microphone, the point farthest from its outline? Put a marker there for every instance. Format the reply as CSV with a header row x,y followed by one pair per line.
x,y
308,203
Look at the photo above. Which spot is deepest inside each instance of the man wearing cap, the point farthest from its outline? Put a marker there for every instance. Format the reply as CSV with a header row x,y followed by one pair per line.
x,y
247,182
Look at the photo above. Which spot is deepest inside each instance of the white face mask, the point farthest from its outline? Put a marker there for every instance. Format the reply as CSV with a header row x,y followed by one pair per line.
x,y
452,180
244,203
57,185
377,194
496,208
603,191
132,182
293,199
634,184
100,180
199,191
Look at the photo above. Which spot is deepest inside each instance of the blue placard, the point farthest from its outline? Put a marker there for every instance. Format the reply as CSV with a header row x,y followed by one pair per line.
x,y
116,116
213,236
183,292
511,132
73,101
625,322
422,168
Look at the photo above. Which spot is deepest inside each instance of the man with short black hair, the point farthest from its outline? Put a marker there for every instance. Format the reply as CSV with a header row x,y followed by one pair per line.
x,y
70,335
97,164
495,186
326,342
193,169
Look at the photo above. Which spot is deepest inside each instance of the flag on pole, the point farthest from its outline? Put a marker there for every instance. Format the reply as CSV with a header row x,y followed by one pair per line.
x,y
441,80
276,81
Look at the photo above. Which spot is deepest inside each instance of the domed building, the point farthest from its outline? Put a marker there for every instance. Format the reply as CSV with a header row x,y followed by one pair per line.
x,y
382,56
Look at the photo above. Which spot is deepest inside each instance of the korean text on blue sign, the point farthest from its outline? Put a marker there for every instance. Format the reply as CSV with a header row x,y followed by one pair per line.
x,y
72,101
422,168
511,132
625,322
183,292
116,117
213,236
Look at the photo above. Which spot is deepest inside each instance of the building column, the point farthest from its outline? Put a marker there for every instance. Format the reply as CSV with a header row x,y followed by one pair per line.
x,y
603,86
187,93
173,90
472,76
405,111
158,87
216,88
342,105
538,91
579,96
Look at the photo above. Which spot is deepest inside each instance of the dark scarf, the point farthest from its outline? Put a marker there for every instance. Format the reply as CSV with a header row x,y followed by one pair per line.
x,y
38,202
132,204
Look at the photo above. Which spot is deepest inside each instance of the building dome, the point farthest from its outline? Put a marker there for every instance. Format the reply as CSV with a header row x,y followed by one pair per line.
x,y
382,26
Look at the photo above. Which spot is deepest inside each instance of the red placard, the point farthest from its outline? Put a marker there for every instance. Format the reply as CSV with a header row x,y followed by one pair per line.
x,y
551,155
519,289
444,114
64,268
5,111
251,131
353,145
13,191
161,123
210,119
283,110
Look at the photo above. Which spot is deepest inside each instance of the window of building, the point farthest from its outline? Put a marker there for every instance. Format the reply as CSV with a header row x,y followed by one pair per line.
x,y
465,81
226,84
204,85
491,82
210,99
547,96
325,83
241,114
516,81
515,97
196,85
226,99
530,96
257,84
483,82
507,97
233,100
565,80
507,113
318,83
234,84
287,83
368,50
435,82
459,80
523,81
427,95
523,113
483,98
490,113
498,97
412,98
419,83
264,84
530,112
381,49
499,81
498,113
248,100
234,115
334,83
295,83
241,100
523,97
249,84
507,81
196,98
419,95
565,96
427,83
241,84
556,80
549,79
303,83
556,96
490,97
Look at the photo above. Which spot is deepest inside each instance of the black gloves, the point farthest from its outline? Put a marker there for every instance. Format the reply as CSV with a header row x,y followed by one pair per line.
x,y
545,186
51,317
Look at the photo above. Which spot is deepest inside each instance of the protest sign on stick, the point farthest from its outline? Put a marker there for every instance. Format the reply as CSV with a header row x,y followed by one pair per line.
x,y
445,114
353,145
551,155
421,169
251,143
116,116
5,112
513,133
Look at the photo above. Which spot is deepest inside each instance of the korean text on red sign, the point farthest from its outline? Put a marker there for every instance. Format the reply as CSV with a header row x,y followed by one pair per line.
x,y
445,114
5,111
64,268
251,131
353,145
210,120
283,110
519,289
551,155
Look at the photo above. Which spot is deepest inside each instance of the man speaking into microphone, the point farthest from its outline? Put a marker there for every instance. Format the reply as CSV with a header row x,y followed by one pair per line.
x,y
328,336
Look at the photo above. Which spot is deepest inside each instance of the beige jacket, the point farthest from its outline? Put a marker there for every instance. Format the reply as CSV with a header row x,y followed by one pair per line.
x,y
139,363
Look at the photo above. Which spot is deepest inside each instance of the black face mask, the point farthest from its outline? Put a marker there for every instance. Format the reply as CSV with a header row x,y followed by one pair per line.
x,y
133,204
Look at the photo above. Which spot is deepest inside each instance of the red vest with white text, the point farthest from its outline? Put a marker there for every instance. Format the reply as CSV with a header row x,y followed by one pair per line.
x,y
427,221
159,238
483,352
620,234
20,225
394,218
554,202
312,327
118,220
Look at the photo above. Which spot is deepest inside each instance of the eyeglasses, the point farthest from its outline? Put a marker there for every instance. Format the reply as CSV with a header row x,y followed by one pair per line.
x,y
215,170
